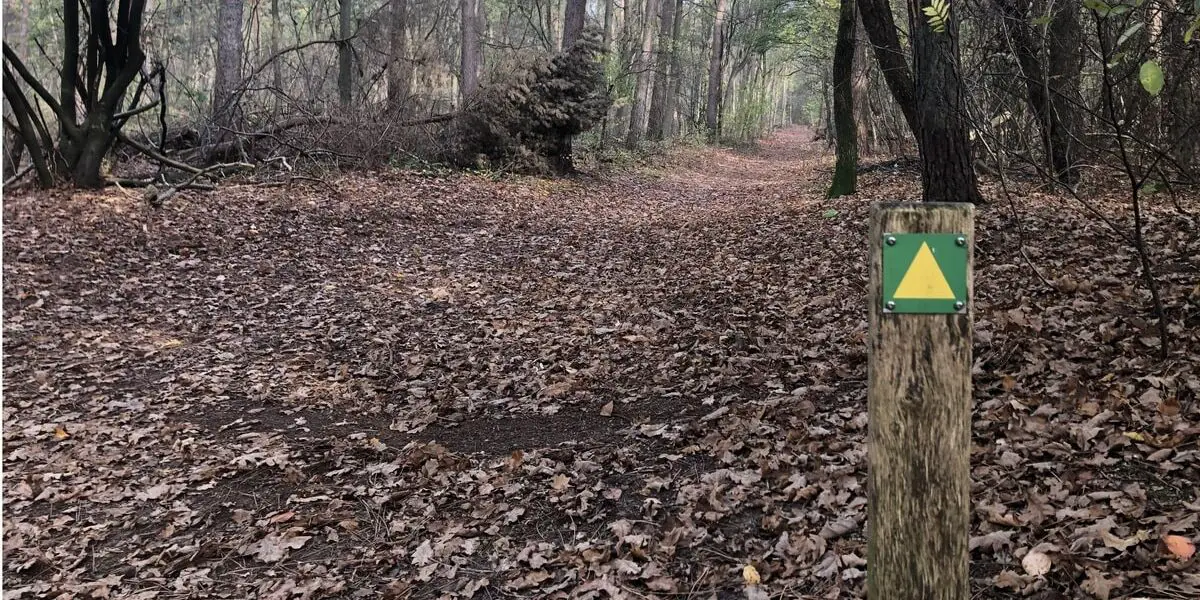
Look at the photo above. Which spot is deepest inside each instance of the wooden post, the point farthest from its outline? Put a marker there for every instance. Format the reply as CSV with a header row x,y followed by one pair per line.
x,y
919,401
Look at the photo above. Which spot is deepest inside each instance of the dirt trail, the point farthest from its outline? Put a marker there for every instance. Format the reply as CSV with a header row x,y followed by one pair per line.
x,y
637,385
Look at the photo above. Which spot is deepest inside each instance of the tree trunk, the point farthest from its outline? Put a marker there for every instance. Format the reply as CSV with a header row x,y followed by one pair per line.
x,y
861,91
229,63
399,68
572,28
881,30
675,74
573,19
277,65
845,175
609,14
947,171
716,64
1181,95
644,66
1049,108
469,53
661,101
345,53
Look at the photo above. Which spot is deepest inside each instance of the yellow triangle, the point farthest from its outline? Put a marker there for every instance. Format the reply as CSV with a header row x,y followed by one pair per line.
x,y
924,279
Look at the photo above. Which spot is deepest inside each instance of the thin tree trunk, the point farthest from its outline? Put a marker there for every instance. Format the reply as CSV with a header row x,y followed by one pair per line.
x,y
469,48
861,91
609,19
881,30
645,66
845,175
1048,107
345,53
716,63
947,171
660,111
399,69
675,74
277,65
229,63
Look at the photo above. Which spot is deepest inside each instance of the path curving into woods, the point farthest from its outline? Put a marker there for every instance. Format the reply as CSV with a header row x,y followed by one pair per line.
x,y
421,386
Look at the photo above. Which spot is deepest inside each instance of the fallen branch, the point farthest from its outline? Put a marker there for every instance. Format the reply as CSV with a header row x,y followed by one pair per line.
x,y
150,152
18,176
157,198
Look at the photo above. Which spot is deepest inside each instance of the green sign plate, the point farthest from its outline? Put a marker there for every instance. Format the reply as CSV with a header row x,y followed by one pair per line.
x,y
925,273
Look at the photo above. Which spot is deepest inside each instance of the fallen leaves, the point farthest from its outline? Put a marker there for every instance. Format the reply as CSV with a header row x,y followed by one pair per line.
x,y
638,387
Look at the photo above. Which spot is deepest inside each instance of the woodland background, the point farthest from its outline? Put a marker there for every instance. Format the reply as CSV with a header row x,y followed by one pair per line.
x,y
487,298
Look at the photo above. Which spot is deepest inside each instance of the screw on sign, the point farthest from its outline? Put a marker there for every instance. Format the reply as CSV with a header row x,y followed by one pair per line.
x,y
925,272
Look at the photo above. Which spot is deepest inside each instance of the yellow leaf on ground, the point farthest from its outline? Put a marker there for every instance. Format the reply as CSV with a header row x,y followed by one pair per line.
x,y
750,574
61,433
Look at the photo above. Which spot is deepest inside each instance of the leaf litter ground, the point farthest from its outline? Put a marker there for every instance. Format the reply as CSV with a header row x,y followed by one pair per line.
x,y
625,386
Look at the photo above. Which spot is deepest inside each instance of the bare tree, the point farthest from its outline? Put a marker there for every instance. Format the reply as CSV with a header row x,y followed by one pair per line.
x,y
399,67
345,52
716,66
470,50
661,112
228,73
645,66
98,86
845,174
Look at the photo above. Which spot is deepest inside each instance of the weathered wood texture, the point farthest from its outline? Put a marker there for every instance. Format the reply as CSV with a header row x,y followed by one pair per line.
x,y
919,433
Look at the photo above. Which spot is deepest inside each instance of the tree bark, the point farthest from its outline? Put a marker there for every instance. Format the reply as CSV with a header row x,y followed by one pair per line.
x,y
861,91
345,53
229,62
399,68
1050,109
469,53
660,100
609,18
881,30
947,170
845,174
716,65
676,74
277,66
639,113
573,20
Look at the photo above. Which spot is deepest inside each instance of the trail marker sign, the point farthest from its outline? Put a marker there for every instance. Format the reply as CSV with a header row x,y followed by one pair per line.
x,y
925,273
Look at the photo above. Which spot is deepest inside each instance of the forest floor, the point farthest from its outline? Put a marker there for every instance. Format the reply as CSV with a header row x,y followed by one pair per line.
x,y
618,386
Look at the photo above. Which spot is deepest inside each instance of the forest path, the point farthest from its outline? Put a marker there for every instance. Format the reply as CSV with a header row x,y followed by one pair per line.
x,y
418,385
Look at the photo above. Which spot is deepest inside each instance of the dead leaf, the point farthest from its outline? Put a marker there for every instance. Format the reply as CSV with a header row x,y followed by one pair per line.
x,y
1178,546
607,409
423,554
560,482
750,575
1036,563
1099,586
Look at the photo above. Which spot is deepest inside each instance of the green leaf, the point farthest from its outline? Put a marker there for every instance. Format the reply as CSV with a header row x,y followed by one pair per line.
x,y
1129,32
829,214
1151,76
938,13
1098,5
1043,20
1187,36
